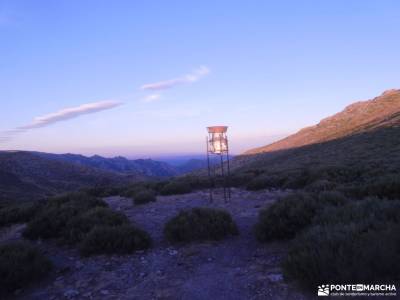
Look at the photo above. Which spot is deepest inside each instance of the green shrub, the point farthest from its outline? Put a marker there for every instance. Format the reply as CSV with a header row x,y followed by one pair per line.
x,y
100,191
122,239
79,200
175,188
263,182
77,228
384,187
286,217
53,217
144,197
320,185
296,179
20,265
239,179
368,211
50,222
18,213
342,239
344,253
200,224
131,191
331,198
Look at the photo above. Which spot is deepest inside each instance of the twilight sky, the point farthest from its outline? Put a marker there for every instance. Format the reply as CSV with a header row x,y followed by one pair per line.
x,y
144,78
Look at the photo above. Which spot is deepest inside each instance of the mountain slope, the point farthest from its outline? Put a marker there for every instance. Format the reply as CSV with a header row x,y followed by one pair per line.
x,y
119,164
25,175
356,147
382,111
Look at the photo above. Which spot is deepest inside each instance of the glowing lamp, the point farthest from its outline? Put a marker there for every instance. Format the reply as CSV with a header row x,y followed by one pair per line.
x,y
217,139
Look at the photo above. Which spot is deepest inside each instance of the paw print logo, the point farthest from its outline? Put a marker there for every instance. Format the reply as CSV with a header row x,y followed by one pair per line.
x,y
323,290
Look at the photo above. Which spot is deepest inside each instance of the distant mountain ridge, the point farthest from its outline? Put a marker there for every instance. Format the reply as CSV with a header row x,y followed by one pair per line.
x,y
25,176
29,175
363,116
119,164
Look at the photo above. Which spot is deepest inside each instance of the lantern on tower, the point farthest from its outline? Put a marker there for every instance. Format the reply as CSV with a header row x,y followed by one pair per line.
x,y
217,144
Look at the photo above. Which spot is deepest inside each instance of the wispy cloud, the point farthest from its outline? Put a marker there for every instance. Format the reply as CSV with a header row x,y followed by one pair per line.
x,y
61,115
70,113
170,83
151,98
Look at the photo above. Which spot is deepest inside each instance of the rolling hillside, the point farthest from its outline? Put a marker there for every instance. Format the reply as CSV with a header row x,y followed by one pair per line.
x,y
382,111
25,176
119,164
357,146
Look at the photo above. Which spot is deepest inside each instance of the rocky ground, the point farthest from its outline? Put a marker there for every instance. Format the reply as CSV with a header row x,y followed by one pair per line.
x,y
235,268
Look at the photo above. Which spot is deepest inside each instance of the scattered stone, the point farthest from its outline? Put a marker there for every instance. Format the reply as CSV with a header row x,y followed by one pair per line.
x,y
275,277
172,252
87,295
71,293
79,265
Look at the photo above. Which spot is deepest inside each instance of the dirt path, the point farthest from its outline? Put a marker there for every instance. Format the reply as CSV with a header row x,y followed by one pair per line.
x,y
235,268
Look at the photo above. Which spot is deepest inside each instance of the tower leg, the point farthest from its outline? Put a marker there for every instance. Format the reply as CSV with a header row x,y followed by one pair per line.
x,y
209,173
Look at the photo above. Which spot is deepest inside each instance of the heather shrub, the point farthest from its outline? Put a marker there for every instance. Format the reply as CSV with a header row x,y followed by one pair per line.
x,y
342,239
372,211
175,188
143,197
53,217
50,222
296,179
239,179
20,265
286,217
122,239
320,185
384,187
78,227
103,191
131,191
344,253
200,224
263,182
18,213
335,198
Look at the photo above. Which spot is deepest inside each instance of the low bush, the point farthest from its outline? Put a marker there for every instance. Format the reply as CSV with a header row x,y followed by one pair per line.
x,y
175,188
18,213
334,198
77,228
263,182
100,191
78,200
286,217
53,217
344,253
50,222
200,224
143,197
239,179
122,239
384,187
20,265
320,185
369,211
342,239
